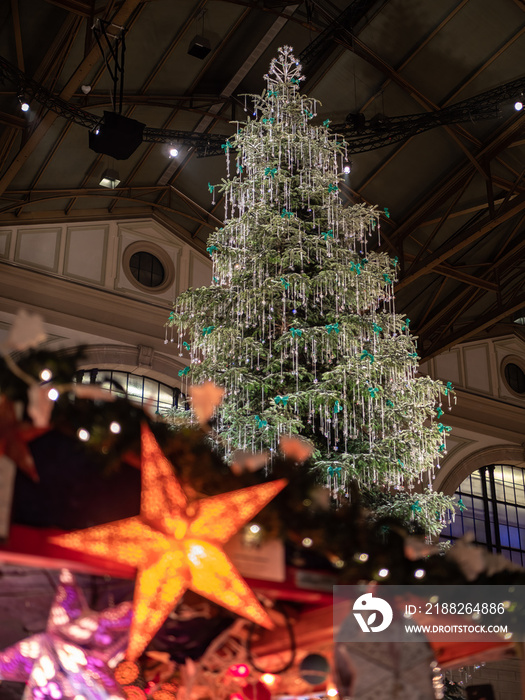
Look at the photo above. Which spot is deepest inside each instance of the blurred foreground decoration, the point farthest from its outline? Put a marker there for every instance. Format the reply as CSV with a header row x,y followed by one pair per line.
x,y
75,654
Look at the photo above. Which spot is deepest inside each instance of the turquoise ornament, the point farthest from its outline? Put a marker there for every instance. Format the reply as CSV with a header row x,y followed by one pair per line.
x,y
186,345
415,507
365,354
207,330
296,332
327,234
332,327
260,422
281,399
184,372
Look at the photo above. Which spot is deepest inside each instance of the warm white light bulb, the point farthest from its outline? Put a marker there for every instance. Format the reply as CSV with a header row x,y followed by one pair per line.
x,y
24,106
383,573
518,105
83,434
115,427
45,375
173,152
268,678
347,169
52,394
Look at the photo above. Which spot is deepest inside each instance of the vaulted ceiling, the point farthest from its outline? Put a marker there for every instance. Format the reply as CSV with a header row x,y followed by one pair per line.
x,y
454,192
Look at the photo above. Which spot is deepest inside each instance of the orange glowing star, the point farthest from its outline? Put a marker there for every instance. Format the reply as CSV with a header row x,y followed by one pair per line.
x,y
176,545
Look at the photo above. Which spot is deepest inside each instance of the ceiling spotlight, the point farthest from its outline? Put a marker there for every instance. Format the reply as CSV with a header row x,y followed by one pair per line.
x,y
347,168
24,104
110,179
518,105
173,152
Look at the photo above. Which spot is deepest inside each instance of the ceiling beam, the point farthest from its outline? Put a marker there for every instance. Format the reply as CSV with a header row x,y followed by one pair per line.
x,y
18,36
23,198
451,181
505,212
77,7
486,321
74,82
448,309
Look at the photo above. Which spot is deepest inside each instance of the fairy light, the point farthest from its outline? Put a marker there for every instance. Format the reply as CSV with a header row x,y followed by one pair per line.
x,y
45,375
307,542
420,573
52,394
83,434
383,573
115,427
239,670
255,528
268,678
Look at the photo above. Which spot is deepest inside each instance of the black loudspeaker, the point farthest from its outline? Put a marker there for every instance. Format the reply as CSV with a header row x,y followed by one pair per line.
x,y
117,136
199,47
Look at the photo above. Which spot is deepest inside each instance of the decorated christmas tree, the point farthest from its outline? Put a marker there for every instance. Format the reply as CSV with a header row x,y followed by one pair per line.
x,y
299,324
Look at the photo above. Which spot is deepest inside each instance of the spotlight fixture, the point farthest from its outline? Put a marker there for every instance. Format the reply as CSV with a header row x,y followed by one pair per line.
x,y
173,152
24,104
518,105
110,179
116,136
347,168
199,47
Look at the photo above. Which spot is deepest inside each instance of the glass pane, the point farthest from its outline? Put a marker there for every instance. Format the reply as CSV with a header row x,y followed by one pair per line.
x,y
135,386
512,515
475,484
514,537
120,378
468,525
498,479
151,390
517,558
481,535
477,509
521,517
504,535
166,396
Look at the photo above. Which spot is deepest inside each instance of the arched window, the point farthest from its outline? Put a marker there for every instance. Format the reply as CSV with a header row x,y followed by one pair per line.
x,y
494,510
141,390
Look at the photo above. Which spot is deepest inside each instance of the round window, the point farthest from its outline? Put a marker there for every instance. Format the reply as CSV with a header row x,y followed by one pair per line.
x,y
515,377
147,269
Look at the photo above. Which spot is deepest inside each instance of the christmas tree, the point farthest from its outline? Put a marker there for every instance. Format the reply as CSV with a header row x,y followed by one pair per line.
x,y
299,323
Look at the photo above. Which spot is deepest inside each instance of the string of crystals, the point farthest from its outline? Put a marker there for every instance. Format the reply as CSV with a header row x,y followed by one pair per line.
x,y
299,323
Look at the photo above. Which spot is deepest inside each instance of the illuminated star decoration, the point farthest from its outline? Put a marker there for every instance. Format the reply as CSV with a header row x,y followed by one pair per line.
x,y
74,656
176,545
